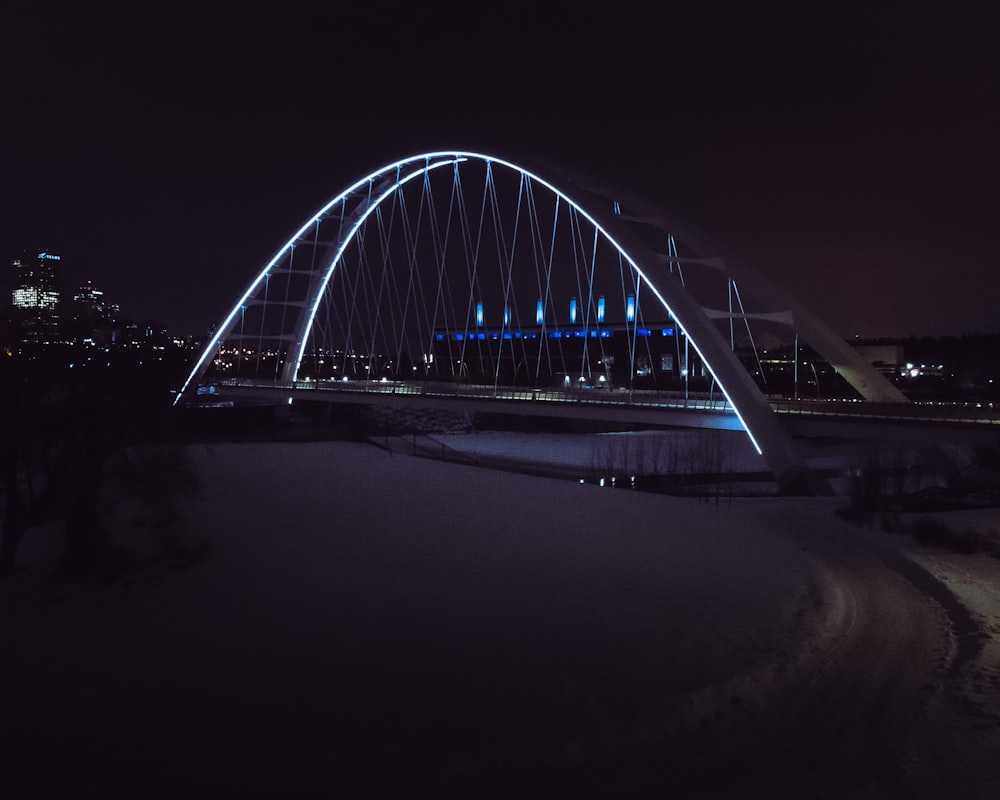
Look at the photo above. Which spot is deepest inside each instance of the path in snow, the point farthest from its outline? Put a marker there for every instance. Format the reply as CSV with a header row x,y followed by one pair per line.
x,y
383,626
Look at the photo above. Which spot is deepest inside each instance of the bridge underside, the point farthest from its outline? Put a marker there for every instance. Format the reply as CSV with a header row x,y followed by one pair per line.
x,y
710,415
896,433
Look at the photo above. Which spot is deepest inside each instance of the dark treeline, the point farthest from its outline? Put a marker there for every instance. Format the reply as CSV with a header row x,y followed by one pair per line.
x,y
977,348
69,430
962,367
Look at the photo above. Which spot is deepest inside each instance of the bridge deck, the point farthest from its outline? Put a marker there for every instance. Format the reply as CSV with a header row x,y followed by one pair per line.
x,y
844,418
612,405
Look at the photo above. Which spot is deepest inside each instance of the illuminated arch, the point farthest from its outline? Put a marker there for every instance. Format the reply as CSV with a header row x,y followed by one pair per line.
x,y
356,204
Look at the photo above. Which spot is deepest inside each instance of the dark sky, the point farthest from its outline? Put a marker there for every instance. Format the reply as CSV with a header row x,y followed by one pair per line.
x,y
166,151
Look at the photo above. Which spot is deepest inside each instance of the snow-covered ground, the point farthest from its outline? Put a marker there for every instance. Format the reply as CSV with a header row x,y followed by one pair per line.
x,y
374,625
645,452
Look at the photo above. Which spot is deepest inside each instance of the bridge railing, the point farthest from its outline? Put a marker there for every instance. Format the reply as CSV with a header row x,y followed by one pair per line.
x,y
419,444
587,396
949,413
924,412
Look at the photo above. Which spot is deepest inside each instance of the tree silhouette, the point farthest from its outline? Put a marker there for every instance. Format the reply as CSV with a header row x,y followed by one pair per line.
x,y
65,435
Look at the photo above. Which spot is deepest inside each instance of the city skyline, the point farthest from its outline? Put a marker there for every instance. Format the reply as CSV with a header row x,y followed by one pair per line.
x,y
850,157
36,282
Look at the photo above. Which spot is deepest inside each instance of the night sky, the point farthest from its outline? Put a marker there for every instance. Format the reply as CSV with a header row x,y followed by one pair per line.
x,y
851,153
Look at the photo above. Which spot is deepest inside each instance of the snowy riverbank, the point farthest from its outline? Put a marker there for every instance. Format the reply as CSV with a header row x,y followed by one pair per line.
x,y
383,626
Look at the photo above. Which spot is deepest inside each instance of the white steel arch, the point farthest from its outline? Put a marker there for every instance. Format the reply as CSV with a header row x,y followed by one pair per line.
x,y
369,193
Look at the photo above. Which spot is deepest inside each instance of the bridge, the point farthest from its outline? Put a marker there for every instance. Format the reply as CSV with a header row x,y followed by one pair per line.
x,y
462,278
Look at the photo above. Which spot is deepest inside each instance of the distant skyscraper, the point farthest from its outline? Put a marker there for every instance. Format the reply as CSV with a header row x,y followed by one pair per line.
x,y
35,296
93,300
91,318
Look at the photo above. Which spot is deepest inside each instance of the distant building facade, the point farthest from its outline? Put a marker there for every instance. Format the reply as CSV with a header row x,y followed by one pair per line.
x,y
93,319
35,299
886,358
